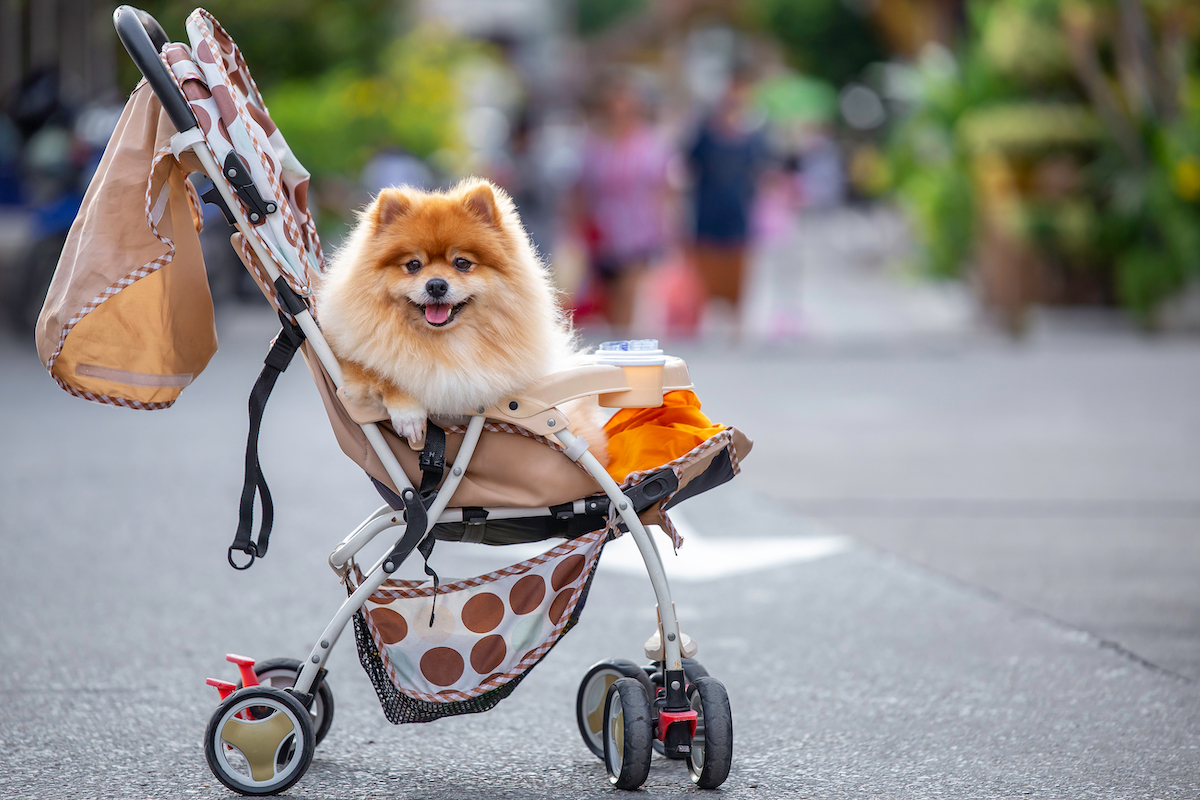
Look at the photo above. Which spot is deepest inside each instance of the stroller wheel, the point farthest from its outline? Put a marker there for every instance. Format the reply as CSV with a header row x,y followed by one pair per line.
x,y
259,741
628,731
593,689
692,669
712,746
281,673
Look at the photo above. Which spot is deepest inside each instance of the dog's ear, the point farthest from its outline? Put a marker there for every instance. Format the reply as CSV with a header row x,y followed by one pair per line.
x,y
389,206
480,200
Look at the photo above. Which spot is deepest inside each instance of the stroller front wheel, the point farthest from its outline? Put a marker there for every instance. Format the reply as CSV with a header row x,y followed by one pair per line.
x,y
259,741
628,731
712,746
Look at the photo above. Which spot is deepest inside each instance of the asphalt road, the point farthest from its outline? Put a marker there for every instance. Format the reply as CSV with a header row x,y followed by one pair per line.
x,y
984,583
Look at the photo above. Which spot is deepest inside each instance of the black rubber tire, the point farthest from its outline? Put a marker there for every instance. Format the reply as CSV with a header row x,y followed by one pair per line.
x,y
593,689
292,754
628,731
281,673
693,669
712,746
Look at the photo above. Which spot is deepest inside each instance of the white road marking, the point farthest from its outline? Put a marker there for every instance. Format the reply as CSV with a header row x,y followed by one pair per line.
x,y
702,558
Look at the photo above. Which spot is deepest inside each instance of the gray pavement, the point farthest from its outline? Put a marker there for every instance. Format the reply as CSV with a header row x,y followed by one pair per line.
x,y
1014,614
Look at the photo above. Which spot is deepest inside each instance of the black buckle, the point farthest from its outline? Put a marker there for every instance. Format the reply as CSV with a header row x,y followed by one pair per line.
x,y
429,460
237,172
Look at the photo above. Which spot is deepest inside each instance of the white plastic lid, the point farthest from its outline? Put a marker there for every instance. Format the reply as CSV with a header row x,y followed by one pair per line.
x,y
631,353
630,346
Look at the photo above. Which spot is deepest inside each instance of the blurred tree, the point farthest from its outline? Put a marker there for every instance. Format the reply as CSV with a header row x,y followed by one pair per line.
x,y
339,78
823,38
290,39
1071,128
594,16
340,119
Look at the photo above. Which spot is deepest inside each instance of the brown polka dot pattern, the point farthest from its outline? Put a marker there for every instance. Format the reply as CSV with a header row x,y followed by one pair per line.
x,y
391,626
442,666
527,594
483,614
566,572
488,653
560,605
487,630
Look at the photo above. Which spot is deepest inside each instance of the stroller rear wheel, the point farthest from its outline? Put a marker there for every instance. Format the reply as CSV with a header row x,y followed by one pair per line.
x,y
628,731
593,689
259,741
281,673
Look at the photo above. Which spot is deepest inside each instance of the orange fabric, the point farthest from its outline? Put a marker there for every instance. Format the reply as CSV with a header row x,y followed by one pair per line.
x,y
645,438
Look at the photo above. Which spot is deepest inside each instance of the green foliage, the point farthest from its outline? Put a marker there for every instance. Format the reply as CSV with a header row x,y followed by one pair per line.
x,y
941,207
337,79
288,39
1024,39
336,122
1069,183
823,38
594,16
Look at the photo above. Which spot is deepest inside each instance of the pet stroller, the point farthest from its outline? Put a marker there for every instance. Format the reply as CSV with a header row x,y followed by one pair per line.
x,y
128,321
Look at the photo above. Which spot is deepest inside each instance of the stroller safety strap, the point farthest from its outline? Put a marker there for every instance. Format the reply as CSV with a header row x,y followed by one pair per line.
x,y
280,355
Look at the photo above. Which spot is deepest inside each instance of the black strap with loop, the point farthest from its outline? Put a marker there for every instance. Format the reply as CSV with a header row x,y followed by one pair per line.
x,y
433,467
280,355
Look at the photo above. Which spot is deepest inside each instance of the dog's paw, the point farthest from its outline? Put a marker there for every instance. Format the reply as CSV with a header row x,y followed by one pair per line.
x,y
360,394
410,423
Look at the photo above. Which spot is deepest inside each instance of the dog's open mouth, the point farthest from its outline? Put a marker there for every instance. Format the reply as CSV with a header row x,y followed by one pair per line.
x,y
441,314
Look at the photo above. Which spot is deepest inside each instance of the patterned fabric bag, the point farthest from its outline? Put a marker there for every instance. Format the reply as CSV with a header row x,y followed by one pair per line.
x,y
128,319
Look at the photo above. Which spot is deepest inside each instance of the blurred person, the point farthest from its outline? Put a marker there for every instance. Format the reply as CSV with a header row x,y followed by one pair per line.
x,y
772,300
622,196
726,158
395,166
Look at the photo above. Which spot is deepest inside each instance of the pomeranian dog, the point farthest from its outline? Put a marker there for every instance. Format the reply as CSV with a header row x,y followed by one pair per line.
x,y
437,305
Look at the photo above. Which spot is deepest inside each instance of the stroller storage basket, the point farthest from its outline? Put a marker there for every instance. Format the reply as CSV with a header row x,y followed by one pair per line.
x,y
466,648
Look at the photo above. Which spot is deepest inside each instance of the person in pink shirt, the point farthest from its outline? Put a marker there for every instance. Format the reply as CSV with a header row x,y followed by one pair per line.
x,y
622,196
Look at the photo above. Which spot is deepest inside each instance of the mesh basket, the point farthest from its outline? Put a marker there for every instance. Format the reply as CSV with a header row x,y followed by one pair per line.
x,y
466,648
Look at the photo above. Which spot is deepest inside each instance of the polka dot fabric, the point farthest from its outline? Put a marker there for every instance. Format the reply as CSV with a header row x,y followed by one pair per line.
x,y
483,632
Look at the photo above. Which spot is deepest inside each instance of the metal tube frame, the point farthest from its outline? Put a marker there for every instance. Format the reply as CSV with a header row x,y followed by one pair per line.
x,y
384,518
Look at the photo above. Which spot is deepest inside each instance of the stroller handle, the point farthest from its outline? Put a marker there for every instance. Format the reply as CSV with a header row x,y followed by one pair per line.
x,y
144,39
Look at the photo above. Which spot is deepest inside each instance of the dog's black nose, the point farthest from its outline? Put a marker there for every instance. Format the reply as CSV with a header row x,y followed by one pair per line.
x,y
437,288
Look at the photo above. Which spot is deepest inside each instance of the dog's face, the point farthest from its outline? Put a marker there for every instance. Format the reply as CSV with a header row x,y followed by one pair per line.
x,y
440,260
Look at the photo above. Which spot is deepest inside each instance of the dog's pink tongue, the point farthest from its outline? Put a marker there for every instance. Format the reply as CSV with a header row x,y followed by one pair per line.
x,y
437,313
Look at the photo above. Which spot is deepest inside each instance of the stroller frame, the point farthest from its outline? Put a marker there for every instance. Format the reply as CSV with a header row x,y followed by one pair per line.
x,y
676,711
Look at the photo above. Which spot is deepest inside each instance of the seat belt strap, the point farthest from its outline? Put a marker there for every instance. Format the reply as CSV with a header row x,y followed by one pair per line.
x,y
432,462
280,355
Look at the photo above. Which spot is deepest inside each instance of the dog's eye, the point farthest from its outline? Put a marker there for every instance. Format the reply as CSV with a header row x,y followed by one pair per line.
x,y
462,264
413,266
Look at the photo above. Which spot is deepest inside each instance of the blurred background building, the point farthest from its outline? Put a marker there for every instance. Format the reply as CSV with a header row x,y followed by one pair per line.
x,y
927,162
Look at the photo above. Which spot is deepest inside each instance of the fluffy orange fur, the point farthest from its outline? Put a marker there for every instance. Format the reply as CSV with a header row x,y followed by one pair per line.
x,y
437,304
